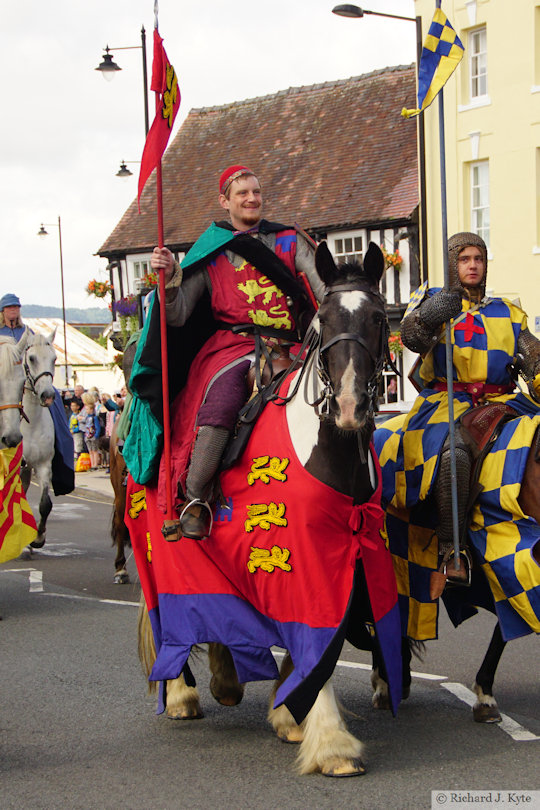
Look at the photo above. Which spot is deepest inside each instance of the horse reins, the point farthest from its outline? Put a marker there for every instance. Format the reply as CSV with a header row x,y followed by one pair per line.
x,y
19,407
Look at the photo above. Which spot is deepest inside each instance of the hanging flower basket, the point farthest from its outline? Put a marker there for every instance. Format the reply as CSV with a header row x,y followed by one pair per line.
x,y
392,259
126,311
100,289
395,344
149,281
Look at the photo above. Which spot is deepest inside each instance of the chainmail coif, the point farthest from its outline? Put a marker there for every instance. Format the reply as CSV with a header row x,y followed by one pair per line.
x,y
456,244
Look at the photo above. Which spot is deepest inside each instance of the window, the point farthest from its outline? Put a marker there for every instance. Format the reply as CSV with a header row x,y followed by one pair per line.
x,y
349,248
479,180
478,63
140,269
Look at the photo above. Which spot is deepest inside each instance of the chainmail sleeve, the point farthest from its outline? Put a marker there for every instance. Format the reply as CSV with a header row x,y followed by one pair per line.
x,y
420,329
416,335
529,361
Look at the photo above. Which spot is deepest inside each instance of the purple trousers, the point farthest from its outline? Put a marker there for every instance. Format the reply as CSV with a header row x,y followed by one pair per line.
x,y
225,397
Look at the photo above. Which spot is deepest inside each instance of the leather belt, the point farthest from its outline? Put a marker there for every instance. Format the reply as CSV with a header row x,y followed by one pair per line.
x,y
477,390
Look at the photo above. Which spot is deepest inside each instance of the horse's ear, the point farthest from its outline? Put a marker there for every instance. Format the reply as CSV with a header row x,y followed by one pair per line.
x,y
23,342
374,263
324,262
50,338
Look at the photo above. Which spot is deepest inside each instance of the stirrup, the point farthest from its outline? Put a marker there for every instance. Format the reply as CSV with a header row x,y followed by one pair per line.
x,y
441,579
463,575
191,533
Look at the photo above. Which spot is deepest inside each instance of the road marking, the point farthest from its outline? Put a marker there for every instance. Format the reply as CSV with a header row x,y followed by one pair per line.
x,y
91,599
515,730
61,550
356,665
36,581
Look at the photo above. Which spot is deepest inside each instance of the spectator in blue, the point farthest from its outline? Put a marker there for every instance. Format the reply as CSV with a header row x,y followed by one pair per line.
x,y
10,317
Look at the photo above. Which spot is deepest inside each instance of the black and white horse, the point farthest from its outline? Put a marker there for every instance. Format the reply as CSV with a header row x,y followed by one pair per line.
x,y
329,414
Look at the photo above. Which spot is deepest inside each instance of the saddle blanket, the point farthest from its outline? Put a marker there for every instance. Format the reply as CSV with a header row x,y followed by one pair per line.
x,y
17,525
279,569
501,537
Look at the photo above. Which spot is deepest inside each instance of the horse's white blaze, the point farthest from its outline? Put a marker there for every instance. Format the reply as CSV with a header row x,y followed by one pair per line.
x,y
346,399
353,300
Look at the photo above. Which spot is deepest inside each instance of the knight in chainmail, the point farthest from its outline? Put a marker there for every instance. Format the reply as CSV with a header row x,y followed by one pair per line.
x,y
250,271
491,341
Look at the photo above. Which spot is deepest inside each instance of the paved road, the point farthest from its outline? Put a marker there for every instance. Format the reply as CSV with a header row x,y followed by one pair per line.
x,y
77,729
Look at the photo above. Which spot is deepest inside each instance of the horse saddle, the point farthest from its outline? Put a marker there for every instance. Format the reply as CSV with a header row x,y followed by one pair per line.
x,y
481,426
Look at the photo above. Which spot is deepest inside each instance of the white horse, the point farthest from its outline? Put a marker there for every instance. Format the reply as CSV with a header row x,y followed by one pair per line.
x,y
39,358
11,389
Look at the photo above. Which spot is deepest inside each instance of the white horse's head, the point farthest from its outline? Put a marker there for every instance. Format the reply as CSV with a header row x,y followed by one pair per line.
x,y
39,359
11,389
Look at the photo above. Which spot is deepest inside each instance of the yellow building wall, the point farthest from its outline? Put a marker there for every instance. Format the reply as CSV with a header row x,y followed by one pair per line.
x,y
508,136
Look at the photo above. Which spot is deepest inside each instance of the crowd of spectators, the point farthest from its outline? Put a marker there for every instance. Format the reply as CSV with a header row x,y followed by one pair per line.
x,y
91,415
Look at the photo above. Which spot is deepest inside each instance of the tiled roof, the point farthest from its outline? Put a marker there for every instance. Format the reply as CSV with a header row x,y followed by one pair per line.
x,y
327,155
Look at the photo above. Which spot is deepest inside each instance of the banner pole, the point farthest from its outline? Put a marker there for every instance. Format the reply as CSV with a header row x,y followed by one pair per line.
x,y
164,354
448,330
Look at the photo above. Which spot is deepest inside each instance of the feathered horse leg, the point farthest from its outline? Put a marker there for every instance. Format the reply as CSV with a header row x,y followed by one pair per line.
x,y
182,701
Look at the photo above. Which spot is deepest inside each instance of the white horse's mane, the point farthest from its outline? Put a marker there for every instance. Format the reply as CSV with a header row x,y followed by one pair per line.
x,y
9,355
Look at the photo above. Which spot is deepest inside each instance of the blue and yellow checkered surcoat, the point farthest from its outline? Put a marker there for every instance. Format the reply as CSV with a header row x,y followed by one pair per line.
x,y
484,344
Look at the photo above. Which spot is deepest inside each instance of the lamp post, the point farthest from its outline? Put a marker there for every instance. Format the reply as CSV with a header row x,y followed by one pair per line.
x,y
42,232
108,68
347,10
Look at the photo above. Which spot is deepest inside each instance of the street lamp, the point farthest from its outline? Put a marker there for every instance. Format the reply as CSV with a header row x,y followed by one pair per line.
x,y
123,171
108,68
348,10
42,233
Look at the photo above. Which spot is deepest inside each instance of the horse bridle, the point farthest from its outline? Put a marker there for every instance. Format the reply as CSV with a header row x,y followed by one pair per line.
x,y
312,343
33,380
378,359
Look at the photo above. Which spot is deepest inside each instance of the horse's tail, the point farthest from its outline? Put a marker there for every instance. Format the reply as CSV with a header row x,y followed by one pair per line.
x,y
417,648
146,646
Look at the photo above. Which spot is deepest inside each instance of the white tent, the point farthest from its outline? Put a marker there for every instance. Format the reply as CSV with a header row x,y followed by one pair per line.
x,y
88,363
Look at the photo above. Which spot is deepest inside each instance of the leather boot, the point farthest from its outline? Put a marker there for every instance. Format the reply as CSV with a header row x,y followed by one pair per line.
x,y
196,516
196,520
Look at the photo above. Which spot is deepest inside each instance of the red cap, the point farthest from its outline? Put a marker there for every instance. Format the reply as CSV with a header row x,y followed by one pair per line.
x,y
230,175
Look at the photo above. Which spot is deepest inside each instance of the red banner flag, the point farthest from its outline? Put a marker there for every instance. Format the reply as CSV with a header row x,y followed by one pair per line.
x,y
165,83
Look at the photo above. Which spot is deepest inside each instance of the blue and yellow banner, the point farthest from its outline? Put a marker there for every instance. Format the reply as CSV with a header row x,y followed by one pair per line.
x,y
441,55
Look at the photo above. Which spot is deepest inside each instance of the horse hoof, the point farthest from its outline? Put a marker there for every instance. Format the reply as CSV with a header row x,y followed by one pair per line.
x,y
121,578
484,713
232,697
39,542
185,714
348,767
380,701
292,736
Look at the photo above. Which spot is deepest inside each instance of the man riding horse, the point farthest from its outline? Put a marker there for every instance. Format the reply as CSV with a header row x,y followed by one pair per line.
x,y
490,344
241,295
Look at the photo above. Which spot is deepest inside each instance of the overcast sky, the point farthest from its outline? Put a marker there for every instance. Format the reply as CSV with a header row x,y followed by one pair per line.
x,y
66,130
